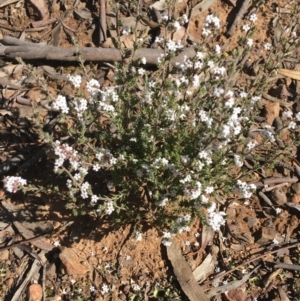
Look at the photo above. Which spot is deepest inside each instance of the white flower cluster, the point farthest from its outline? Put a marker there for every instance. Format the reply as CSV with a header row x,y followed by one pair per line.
x,y
211,21
246,190
173,45
65,152
75,80
80,106
93,87
193,191
109,207
237,161
60,104
12,184
215,219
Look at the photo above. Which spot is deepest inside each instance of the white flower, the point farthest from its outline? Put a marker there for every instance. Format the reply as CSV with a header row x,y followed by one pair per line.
x,y
12,184
109,207
216,220
141,71
104,289
253,18
297,116
209,189
75,80
126,31
144,61
162,203
251,145
56,244
176,25
92,87
246,27
267,46
218,91
292,125
138,236
92,288
243,94
249,42
200,55
213,21
60,104
218,49
237,160
206,32
287,114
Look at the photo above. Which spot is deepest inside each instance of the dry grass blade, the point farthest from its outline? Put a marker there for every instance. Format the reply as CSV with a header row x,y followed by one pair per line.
x,y
231,285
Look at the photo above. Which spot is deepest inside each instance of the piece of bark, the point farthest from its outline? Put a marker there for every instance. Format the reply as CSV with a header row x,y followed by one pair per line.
x,y
238,17
34,269
14,48
40,243
185,275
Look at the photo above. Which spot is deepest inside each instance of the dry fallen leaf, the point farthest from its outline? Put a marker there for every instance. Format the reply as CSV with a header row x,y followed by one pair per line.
x,y
289,73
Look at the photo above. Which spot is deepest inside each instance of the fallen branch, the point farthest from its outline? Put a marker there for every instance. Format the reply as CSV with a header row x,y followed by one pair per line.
x,y
238,17
13,48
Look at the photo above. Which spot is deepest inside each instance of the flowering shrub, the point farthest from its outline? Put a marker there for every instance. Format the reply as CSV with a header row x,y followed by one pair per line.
x,y
159,147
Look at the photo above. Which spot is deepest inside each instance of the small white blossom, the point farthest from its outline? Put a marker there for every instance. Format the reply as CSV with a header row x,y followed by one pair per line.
x,y
56,244
75,80
249,42
138,236
12,184
237,161
104,289
253,18
176,25
267,46
209,189
251,145
292,125
126,31
92,289
246,27
287,114
60,104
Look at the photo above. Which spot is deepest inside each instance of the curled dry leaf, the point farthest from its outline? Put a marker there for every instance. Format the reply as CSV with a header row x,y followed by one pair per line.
x,y
83,13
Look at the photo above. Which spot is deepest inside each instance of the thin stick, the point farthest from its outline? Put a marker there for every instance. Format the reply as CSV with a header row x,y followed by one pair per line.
x,y
102,22
222,274
238,17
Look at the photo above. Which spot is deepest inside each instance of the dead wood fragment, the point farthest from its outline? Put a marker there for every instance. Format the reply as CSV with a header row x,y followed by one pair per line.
x,y
14,48
185,275
34,269
39,242
286,266
238,17
102,22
